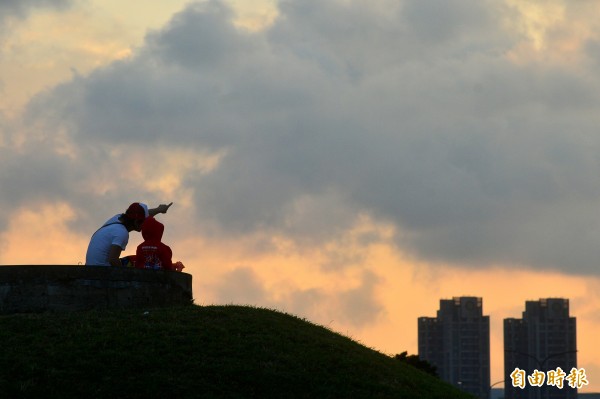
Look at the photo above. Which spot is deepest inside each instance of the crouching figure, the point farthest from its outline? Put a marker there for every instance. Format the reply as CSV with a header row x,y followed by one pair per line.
x,y
153,253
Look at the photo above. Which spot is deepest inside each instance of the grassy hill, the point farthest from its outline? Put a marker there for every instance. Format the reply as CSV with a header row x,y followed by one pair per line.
x,y
196,352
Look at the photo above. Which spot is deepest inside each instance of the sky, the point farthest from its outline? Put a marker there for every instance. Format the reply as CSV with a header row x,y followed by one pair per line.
x,y
351,162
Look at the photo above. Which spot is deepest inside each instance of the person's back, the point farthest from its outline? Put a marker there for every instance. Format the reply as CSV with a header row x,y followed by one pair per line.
x,y
113,232
153,253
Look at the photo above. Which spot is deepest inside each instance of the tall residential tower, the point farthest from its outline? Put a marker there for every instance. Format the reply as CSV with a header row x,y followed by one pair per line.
x,y
545,339
457,342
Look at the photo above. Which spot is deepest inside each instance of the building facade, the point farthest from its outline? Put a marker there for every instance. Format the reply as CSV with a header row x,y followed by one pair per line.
x,y
457,343
544,340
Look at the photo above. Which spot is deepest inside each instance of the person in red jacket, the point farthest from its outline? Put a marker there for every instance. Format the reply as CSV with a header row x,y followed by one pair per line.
x,y
153,253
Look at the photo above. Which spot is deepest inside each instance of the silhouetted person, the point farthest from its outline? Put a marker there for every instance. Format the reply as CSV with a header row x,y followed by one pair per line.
x,y
111,239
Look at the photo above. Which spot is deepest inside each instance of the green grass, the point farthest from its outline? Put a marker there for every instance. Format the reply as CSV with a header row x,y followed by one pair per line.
x,y
196,352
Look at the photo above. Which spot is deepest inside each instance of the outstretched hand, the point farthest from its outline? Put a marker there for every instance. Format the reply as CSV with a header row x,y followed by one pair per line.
x,y
162,208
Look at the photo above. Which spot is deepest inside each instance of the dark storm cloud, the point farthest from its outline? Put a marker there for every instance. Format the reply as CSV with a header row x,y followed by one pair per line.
x,y
201,37
439,21
340,108
34,177
22,8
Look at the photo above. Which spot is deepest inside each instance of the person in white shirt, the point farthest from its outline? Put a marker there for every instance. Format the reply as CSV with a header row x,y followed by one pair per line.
x,y
111,239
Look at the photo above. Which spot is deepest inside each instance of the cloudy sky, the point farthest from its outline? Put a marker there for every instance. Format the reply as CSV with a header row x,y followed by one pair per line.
x,y
347,161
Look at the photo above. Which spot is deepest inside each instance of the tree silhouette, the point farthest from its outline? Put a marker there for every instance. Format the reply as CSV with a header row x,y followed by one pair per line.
x,y
415,361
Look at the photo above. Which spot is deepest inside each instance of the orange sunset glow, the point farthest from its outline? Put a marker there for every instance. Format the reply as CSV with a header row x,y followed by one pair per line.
x,y
351,162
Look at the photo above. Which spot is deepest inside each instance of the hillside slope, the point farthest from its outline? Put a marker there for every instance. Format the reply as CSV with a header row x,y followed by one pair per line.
x,y
196,352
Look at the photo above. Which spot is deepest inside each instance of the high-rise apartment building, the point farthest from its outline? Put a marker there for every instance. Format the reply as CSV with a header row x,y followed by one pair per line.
x,y
543,340
457,343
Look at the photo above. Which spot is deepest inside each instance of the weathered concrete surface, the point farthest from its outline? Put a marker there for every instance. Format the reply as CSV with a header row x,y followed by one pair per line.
x,y
26,289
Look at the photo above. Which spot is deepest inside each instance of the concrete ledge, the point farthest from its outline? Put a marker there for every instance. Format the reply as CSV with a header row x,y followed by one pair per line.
x,y
26,289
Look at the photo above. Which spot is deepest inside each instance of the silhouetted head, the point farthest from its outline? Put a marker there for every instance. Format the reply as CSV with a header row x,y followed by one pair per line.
x,y
134,216
152,229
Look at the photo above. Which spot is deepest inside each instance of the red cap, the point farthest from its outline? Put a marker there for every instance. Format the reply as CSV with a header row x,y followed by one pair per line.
x,y
136,211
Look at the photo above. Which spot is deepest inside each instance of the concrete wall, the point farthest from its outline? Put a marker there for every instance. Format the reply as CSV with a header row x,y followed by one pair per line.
x,y
70,288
